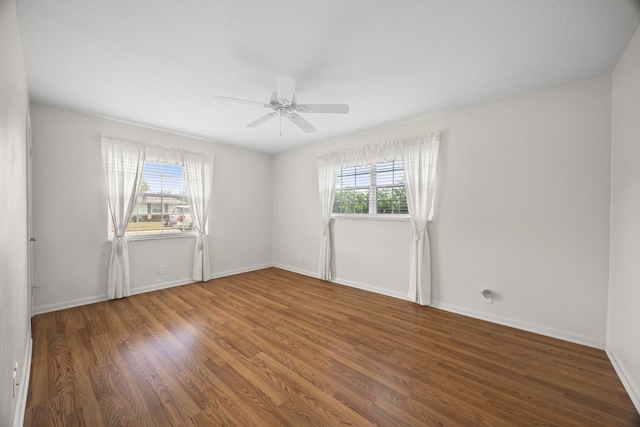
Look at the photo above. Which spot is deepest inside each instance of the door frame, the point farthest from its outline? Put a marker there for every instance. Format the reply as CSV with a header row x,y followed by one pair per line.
x,y
30,232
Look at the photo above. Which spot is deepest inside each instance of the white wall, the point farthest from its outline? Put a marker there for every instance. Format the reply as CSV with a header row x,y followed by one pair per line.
x,y
15,330
623,338
523,209
70,219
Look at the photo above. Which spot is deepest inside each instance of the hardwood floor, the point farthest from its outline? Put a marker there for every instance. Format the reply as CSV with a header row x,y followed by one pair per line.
x,y
275,348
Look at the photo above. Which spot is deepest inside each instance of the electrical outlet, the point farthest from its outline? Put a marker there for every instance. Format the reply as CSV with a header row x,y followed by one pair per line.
x,y
487,296
162,269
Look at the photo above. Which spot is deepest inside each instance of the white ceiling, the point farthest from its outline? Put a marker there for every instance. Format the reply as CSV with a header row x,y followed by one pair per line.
x,y
160,63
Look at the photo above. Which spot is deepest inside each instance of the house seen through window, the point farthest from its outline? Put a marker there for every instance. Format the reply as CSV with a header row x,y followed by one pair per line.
x,y
371,189
162,206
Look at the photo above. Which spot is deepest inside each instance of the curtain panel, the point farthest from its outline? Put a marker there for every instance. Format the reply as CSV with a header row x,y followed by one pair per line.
x,y
327,172
419,159
197,171
123,164
419,155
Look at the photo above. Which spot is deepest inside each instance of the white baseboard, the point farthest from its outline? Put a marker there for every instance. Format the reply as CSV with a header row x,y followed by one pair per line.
x,y
182,282
514,323
633,389
138,290
68,304
23,387
370,288
344,282
100,298
158,286
531,327
239,271
309,273
525,326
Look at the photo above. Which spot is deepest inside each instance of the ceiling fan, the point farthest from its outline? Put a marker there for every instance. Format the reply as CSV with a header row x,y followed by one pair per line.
x,y
283,103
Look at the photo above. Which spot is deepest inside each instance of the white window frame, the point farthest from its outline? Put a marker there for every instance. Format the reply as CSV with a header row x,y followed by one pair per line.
x,y
373,200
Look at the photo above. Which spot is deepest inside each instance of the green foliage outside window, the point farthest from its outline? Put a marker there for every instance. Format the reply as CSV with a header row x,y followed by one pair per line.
x,y
392,200
351,201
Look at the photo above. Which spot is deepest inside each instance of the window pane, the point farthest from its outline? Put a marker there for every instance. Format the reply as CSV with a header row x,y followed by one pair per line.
x,y
398,176
354,177
384,166
389,173
351,201
361,201
362,169
348,181
161,190
384,178
354,186
391,200
363,180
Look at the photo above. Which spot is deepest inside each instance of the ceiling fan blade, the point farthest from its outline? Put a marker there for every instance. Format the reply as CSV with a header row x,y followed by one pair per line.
x,y
299,121
243,101
323,108
285,87
262,120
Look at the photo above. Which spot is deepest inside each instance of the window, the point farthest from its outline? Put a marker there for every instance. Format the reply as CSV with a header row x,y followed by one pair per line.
x,y
371,189
353,190
162,206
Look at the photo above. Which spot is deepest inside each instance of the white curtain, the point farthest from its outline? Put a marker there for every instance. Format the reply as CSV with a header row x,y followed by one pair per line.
x,y
419,155
123,165
328,167
197,170
419,159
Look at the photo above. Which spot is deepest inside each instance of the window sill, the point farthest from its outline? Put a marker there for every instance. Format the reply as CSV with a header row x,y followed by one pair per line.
x,y
155,236
371,217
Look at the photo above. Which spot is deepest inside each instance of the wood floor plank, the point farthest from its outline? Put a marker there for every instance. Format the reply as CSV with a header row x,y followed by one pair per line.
x,y
275,348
